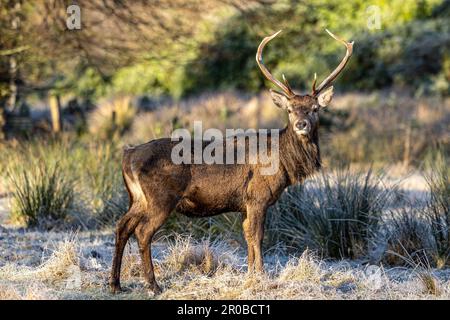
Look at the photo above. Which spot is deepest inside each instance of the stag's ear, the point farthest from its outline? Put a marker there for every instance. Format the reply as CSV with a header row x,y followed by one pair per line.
x,y
280,100
325,97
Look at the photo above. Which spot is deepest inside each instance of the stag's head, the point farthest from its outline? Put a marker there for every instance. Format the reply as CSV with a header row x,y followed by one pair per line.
x,y
303,109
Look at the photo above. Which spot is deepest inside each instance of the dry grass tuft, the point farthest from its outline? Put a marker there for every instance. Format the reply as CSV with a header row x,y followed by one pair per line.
x,y
32,291
131,263
60,266
430,283
305,268
204,257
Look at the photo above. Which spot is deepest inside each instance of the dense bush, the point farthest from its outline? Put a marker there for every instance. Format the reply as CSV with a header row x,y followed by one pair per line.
x,y
411,55
410,50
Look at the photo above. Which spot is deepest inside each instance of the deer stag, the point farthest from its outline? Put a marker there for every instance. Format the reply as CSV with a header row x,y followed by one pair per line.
x,y
157,187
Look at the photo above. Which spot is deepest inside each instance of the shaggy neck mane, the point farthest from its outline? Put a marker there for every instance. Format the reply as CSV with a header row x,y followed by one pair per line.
x,y
299,157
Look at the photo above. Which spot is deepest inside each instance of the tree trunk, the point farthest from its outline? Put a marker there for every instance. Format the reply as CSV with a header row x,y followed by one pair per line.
x,y
11,103
55,111
2,123
15,24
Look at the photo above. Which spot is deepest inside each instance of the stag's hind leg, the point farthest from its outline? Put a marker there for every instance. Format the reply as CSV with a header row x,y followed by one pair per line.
x,y
144,234
125,228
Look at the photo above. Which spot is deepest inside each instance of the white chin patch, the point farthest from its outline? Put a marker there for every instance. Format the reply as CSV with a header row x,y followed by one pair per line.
x,y
302,132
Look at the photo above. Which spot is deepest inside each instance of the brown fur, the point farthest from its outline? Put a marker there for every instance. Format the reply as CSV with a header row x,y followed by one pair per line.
x,y
157,187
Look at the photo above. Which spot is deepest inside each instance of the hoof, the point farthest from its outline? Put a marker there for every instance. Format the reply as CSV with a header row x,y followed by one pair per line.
x,y
154,288
116,289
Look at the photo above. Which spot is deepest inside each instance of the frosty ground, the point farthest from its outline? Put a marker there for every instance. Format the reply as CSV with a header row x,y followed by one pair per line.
x,y
76,265
41,265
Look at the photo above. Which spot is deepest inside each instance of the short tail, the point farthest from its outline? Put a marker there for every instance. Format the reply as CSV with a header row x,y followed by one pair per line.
x,y
124,176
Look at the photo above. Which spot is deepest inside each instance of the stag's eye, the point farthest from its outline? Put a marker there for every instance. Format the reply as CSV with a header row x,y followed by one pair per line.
x,y
315,108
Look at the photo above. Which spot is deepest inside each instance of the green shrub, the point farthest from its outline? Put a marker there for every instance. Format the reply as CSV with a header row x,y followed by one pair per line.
x,y
42,195
408,51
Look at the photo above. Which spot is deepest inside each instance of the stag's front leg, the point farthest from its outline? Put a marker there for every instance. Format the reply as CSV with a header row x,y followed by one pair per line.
x,y
254,233
248,234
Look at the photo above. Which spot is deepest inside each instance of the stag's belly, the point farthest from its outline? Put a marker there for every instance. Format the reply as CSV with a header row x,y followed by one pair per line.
x,y
214,190
195,208
205,202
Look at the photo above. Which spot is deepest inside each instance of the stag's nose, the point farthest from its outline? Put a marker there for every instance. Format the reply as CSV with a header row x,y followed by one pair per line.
x,y
302,125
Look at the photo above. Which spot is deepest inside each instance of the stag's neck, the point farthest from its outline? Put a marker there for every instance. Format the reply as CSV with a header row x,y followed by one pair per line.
x,y
299,156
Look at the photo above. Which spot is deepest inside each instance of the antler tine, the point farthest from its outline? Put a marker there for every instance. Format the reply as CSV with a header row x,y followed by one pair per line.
x,y
285,87
339,68
286,82
314,84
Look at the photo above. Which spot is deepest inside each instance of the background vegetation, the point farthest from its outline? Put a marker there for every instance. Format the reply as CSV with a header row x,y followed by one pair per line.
x,y
70,99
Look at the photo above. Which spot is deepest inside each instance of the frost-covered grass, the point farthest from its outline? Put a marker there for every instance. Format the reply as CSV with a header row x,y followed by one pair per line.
x,y
77,266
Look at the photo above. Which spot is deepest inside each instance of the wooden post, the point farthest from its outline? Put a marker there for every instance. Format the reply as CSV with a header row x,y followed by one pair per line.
x,y
407,146
2,123
55,111
114,124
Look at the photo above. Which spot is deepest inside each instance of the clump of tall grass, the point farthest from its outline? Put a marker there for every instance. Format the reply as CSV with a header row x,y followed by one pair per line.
x,y
422,232
101,182
42,195
91,170
438,209
337,215
408,238
304,268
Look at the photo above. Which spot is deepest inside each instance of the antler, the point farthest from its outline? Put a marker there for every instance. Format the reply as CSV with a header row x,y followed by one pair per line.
x,y
283,86
338,69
